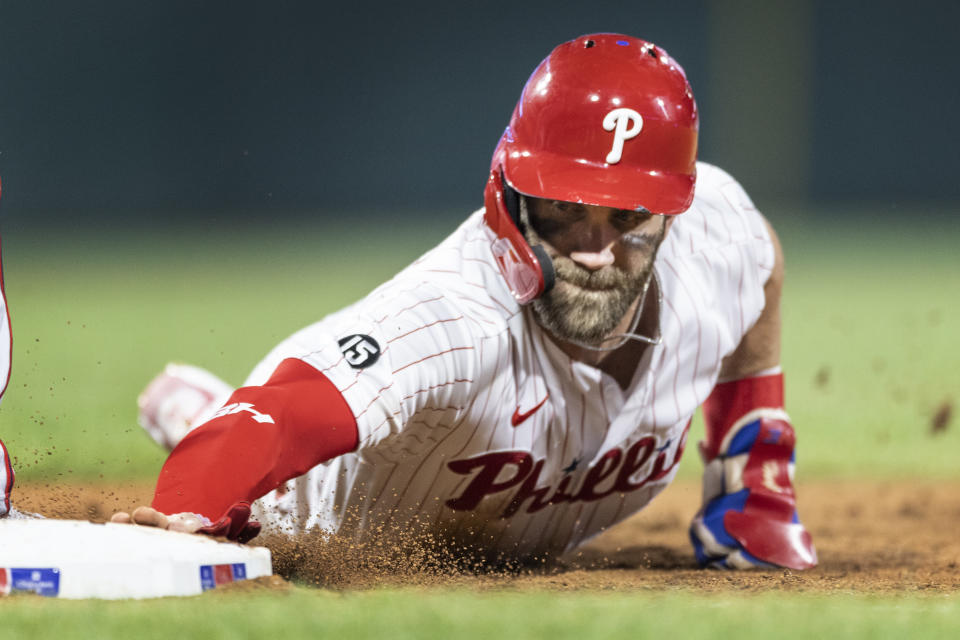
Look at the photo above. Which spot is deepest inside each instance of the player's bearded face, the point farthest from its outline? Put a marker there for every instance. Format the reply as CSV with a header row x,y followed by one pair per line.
x,y
586,305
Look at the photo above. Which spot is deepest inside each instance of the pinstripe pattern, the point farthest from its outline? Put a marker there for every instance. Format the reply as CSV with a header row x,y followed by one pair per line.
x,y
6,350
6,337
459,357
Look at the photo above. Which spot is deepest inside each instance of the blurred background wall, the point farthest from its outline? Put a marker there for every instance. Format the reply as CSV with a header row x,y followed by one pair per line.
x,y
122,113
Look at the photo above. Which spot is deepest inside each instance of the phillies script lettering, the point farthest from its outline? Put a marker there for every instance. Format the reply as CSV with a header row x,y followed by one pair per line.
x,y
612,473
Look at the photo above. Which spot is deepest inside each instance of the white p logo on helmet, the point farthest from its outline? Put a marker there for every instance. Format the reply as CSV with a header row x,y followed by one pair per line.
x,y
625,123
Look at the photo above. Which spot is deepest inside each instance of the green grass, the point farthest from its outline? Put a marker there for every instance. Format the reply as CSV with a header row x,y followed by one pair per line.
x,y
870,350
870,345
412,613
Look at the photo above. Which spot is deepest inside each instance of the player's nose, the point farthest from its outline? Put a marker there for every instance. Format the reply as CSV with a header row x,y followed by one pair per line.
x,y
593,260
593,247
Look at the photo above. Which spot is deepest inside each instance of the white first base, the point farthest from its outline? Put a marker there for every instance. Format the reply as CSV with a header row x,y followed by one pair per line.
x,y
78,559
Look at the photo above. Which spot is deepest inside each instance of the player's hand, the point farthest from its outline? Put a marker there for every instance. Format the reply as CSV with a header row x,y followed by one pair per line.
x,y
235,525
749,517
150,517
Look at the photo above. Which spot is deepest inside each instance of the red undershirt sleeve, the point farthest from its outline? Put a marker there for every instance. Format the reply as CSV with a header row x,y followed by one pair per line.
x,y
732,400
261,438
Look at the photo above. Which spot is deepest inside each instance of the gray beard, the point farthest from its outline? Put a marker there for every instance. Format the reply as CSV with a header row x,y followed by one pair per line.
x,y
586,306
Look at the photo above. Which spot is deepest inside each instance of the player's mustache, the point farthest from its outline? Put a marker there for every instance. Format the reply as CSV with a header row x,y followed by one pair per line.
x,y
609,277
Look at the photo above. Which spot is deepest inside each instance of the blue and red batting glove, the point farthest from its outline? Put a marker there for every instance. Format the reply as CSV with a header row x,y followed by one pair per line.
x,y
749,516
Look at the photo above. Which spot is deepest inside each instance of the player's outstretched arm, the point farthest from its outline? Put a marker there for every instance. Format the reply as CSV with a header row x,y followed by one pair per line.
x,y
749,518
261,438
234,525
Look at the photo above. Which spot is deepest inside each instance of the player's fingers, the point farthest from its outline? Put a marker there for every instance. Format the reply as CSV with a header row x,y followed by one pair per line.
x,y
187,522
150,517
121,517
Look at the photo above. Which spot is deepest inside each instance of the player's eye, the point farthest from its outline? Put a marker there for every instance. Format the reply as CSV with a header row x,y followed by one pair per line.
x,y
626,220
548,224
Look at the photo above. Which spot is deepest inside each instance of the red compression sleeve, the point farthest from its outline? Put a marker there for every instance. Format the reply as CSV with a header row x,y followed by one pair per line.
x,y
261,438
732,400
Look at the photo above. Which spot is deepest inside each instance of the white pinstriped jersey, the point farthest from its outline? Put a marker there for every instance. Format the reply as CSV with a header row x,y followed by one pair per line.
x,y
6,344
473,423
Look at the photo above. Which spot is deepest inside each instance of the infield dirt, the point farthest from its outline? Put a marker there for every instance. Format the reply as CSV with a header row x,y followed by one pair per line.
x,y
872,537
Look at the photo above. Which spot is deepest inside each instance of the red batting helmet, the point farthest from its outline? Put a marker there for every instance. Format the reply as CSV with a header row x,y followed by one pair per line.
x,y
606,120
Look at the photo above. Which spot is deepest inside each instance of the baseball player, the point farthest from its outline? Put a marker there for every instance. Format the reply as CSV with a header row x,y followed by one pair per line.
x,y
6,351
529,382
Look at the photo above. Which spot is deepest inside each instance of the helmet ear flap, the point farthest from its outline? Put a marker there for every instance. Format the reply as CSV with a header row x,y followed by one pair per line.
x,y
527,270
511,200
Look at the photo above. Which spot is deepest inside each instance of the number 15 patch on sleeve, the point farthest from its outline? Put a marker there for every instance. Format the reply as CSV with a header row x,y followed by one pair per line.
x,y
359,350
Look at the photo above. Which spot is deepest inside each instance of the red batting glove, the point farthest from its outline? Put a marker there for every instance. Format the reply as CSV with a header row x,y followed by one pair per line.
x,y
235,525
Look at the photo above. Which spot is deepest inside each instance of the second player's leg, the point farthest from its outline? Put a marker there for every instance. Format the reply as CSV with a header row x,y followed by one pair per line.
x,y
179,399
